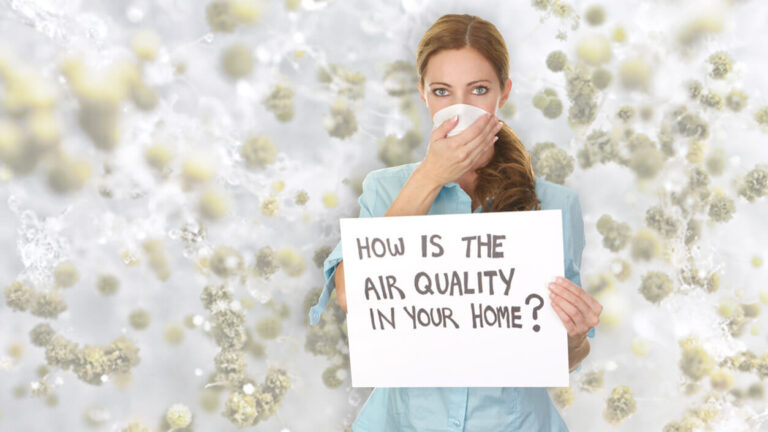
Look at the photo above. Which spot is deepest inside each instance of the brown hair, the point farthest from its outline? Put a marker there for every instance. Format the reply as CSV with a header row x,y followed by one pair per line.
x,y
507,179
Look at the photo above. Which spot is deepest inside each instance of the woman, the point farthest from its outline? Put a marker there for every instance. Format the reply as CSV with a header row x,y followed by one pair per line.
x,y
463,59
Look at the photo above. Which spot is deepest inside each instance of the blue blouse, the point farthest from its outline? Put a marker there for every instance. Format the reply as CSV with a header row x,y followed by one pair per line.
x,y
467,409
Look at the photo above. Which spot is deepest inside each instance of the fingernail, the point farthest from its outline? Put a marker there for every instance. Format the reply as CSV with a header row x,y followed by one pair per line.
x,y
551,285
455,117
495,139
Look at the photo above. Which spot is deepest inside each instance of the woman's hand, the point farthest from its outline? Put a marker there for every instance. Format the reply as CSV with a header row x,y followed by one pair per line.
x,y
449,158
341,294
577,309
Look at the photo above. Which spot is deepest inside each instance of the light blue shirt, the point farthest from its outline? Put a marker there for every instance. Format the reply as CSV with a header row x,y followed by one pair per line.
x,y
466,409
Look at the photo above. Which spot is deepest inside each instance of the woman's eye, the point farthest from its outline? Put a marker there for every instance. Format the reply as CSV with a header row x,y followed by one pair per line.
x,y
483,88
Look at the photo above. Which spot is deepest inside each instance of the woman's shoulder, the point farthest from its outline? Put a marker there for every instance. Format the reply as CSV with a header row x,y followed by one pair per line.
x,y
553,195
392,173
385,184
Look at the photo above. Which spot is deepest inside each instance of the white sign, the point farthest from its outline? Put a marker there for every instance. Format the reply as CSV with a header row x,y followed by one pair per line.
x,y
454,300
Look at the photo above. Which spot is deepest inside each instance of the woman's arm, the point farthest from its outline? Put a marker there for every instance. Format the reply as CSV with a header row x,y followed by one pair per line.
x,y
415,198
341,295
577,353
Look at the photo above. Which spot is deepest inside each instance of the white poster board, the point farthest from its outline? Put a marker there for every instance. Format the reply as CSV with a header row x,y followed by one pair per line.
x,y
454,300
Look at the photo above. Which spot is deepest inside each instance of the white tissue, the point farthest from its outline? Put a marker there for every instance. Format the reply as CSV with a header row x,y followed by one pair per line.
x,y
467,115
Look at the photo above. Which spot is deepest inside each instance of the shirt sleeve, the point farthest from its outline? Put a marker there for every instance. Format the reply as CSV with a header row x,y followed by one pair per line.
x,y
366,200
575,241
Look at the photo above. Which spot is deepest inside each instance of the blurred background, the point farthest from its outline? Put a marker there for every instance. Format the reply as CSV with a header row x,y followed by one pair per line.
x,y
173,172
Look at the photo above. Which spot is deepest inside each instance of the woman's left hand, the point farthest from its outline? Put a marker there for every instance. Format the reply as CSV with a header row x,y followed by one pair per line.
x,y
577,309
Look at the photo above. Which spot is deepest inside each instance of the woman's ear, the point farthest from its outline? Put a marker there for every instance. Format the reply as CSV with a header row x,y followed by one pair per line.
x,y
505,92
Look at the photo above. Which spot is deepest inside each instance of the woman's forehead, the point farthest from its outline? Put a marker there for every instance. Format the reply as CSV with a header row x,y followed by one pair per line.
x,y
458,67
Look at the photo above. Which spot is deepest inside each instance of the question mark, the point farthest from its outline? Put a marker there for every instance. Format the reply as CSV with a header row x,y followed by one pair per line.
x,y
536,327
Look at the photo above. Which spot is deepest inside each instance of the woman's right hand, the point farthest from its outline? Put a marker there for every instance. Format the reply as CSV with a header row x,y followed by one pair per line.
x,y
341,294
449,158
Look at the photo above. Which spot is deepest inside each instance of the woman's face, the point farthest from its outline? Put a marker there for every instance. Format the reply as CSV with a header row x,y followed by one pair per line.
x,y
462,76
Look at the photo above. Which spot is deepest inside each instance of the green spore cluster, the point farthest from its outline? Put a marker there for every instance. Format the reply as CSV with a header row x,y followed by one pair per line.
x,y
619,405
690,275
400,78
395,150
601,78
224,16
556,61
658,220
599,147
626,113
592,381
351,85
244,409
563,397
45,304
721,64
139,318
595,15
547,101
736,100
92,364
266,263
721,208
341,121
656,286
237,60
694,88
230,367
754,185
615,234
65,274
695,362
41,335
258,152
551,162
280,103
320,255
581,93
645,246
226,261
107,284
711,99
155,250
761,116
269,327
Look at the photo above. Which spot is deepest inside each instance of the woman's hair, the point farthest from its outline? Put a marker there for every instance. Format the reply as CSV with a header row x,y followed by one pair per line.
x,y
507,180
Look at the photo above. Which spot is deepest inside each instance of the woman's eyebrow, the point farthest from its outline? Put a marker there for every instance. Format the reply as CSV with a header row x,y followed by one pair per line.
x,y
468,84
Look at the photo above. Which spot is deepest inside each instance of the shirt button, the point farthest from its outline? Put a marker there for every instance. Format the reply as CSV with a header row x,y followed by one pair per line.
x,y
455,422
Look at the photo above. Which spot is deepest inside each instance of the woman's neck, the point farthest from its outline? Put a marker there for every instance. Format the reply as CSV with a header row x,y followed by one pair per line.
x,y
468,182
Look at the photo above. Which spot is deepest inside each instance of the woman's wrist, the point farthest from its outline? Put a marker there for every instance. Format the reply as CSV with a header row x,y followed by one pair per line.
x,y
577,342
425,179
578,352
416,196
